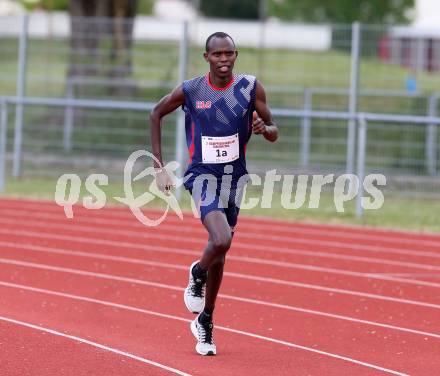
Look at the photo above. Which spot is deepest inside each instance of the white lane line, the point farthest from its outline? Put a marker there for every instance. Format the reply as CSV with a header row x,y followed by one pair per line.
x,y
334,316
405,280
238,243
320,269
347,232
251,260
235,275
240,332
434,275
331,289
94,344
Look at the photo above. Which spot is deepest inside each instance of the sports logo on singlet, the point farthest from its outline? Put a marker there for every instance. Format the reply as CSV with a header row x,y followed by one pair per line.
x,y
203,104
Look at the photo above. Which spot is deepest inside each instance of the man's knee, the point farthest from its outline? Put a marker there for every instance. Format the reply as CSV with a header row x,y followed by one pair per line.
x,y
222,242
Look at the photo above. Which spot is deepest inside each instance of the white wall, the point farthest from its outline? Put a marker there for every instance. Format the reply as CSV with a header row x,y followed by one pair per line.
x,y
9,7
273,34
427,14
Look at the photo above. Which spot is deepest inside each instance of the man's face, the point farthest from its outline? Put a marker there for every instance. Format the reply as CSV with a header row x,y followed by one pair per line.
x,y
221,56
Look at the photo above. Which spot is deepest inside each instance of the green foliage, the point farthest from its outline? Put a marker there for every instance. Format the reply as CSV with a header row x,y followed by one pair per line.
x,y
342,11
145,6
46,4
243,9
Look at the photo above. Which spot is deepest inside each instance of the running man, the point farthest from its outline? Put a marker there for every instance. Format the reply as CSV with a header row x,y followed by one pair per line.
x,y
222,111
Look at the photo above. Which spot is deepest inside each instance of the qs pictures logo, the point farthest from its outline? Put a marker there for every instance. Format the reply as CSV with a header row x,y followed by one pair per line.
x,y
68,189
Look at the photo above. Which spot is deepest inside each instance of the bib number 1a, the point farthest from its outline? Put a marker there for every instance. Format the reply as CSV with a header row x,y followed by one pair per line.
x,y
220,149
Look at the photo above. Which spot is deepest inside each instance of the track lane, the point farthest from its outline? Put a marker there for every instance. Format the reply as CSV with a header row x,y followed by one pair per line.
x,y
33,350
321,302
166,244
397,310
103,317
351,232
270,249
246,233
37,268
335,279
153,333
231,274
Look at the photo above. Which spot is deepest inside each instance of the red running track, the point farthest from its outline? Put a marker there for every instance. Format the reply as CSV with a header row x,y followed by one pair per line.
x,y
101,294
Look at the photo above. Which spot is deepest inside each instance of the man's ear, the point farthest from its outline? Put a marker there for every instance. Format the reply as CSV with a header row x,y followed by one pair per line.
x,y
205,55
236,53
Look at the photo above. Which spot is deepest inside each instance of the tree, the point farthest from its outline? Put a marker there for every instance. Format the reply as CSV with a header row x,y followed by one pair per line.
x,y
94,24
342,11
243,9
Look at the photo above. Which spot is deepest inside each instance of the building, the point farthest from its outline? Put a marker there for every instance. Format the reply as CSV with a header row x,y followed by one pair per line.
x,y
417,46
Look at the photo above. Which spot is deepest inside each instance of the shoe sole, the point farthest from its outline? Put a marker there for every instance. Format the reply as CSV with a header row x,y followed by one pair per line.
x,y
195,334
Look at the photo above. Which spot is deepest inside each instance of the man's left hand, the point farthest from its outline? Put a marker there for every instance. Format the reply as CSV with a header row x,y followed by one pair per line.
x,y
258,125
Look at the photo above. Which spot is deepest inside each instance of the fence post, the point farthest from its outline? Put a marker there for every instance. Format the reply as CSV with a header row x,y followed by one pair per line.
x,y
361,149
305,127
68,116
262,15
21,91
180,123
431,137
3,135
354,93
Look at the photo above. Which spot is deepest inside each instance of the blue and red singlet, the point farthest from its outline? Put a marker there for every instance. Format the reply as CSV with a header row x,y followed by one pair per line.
x,y
218,123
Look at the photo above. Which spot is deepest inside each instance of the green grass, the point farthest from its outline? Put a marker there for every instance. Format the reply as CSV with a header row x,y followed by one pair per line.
x,y
396,213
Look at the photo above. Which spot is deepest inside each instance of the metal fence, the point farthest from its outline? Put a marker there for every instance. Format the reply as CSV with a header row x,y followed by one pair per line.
x,y
317,94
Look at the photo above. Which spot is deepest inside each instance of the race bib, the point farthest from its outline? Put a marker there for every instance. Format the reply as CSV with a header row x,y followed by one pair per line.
x,y
220,149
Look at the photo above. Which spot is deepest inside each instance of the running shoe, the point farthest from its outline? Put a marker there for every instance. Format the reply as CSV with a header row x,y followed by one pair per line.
x,y
205,340
194,295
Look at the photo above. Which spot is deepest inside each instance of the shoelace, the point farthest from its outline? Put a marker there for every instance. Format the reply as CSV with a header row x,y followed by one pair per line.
x,y
205,331
197,288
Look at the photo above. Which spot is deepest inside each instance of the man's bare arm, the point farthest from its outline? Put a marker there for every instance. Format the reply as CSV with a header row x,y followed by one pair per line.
x,y
263,122
167,104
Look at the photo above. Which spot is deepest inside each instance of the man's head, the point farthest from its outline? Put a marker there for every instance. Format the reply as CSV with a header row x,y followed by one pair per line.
x,y
220,54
